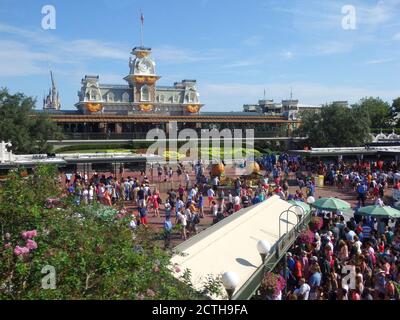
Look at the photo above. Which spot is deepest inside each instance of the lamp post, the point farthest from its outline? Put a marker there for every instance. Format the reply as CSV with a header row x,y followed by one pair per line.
x,y
230,281
263,247
310,200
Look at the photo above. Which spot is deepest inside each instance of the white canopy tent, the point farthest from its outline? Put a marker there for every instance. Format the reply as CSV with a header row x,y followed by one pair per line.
x,y
231,245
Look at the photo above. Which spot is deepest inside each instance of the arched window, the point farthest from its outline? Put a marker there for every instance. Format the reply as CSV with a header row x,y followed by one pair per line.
x,y
93,95
145,93
110,97
192,96
125,97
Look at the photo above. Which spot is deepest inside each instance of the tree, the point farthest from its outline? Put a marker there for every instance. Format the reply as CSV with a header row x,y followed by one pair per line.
x,y
94,255
378,111
27,131
335,126
394,111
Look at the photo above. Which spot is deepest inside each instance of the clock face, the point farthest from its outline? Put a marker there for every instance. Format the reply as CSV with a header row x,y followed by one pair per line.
x,y
144,67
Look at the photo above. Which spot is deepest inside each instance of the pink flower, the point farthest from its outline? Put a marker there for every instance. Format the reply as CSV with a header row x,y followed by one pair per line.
x,y
177,269
119,216
7,245
29,234
21,250
31,245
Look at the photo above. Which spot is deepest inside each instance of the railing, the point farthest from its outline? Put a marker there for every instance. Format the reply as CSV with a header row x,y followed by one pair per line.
x,y
142,135
249,289
105,136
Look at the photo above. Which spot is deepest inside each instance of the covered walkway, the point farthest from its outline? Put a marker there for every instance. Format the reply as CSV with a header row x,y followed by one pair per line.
x,y
231,245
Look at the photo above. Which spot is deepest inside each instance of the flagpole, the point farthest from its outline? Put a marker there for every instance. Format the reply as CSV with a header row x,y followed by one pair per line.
x,y
141,29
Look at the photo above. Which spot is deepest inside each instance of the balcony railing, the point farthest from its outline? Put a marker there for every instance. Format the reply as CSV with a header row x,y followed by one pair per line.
x,y
142,135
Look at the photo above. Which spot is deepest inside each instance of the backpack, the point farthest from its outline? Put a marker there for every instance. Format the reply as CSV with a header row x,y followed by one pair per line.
x,y
159,200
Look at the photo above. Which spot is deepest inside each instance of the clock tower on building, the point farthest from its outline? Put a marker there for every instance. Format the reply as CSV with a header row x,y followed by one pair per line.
x,y
142,79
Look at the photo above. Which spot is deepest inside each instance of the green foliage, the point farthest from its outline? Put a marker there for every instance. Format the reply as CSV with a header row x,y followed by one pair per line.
x,y
377,110
94,255
27,132
395,110
213,285
335,126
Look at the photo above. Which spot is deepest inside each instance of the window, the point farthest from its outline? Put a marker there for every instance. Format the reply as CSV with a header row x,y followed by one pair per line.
x,y
145,93
192,96
93,95
110,97
125,97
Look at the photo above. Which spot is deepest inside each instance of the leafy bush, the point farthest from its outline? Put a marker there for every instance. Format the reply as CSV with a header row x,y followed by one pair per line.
x,y
94,256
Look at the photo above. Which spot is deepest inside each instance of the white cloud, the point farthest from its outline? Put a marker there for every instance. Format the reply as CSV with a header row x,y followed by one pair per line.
x,y
17,60
378,14
30,50
243,63
333,47
378,61
288,55
396,37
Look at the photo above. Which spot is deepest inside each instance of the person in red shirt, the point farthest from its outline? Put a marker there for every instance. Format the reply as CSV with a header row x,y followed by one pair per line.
x,y
298,273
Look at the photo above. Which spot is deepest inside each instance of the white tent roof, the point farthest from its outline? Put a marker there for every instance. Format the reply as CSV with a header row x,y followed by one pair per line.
x,y
231,245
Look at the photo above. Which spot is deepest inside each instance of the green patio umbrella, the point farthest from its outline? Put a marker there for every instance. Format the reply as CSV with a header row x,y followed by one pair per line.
x,y
331,204
302,204
379,211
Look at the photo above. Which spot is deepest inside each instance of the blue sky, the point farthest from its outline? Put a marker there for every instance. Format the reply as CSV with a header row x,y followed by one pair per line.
x,y
233,48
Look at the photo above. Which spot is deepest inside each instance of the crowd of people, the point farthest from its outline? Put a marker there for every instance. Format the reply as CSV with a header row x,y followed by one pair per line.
x,y
357,259
367,248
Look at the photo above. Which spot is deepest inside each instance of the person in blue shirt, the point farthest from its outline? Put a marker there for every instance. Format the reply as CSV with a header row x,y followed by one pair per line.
x,y
255,199
201,206
167,231
290,261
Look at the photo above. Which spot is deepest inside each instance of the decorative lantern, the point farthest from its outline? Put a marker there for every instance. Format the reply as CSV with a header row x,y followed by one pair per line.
x,y
217,170
193,108
94,107
146,107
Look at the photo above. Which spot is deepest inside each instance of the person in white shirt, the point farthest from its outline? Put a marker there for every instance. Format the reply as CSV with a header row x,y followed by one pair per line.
x,y
210,195
178,205
236,203
303,290
349,234
187,180
379,202
91,194
181,219
357,245
230,198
